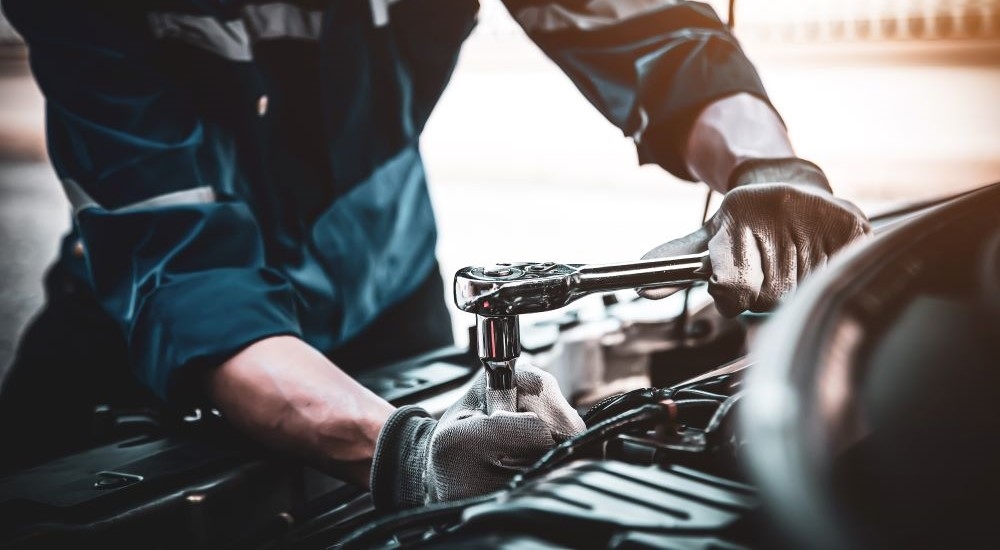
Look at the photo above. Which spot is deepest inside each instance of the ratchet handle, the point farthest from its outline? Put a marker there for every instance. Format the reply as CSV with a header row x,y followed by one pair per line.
x,y
532,287
671,271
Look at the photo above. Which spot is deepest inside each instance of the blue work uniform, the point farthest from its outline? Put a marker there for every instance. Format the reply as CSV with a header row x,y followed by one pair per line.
x,y
240,170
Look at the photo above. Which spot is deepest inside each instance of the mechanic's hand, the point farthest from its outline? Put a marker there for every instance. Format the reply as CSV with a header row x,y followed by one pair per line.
x,y
479,444
779,222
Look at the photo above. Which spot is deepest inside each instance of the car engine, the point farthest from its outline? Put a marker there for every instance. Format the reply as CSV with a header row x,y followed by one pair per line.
x,y
863,416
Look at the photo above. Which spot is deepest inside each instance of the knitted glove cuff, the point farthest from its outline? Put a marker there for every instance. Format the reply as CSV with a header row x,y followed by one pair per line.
x,y
777,170
400,461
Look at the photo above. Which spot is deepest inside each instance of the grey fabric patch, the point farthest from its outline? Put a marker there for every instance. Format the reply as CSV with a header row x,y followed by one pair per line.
x,y
529,383
282,20
502,400
768,236
400,460
479,444
548,403
780,224
593,14
478,450
226,39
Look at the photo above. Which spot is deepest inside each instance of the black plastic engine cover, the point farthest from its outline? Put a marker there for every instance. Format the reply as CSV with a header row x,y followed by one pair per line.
x,y
200,485
161,493
616,505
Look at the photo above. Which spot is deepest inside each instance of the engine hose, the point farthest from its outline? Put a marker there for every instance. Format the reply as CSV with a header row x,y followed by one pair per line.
x,y
687,404
619,403
698,394
722,415
616,400
623,402
645,417
370,535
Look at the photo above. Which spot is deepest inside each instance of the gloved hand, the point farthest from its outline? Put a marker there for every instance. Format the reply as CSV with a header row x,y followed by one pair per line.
x,y
778,222
479,444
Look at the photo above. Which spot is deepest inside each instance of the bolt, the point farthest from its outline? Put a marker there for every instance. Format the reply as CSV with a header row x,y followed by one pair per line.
x,y
538,268
497,271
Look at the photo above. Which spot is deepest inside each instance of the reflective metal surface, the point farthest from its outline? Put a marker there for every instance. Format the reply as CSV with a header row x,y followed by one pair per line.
x,y
498,337
499,344
498,294
500,374
512,289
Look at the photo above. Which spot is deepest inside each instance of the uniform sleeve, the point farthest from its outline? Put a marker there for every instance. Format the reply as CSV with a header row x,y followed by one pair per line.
x,y
177,263
650,66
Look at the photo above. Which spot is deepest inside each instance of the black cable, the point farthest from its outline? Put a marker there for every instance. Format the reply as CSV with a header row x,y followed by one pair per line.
x,y
696,411
645,417
722,414
691,393
623,402
695,403
682,320
368,536
708,203
717,384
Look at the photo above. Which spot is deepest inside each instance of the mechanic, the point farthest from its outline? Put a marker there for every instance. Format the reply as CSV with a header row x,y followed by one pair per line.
x,y
251,221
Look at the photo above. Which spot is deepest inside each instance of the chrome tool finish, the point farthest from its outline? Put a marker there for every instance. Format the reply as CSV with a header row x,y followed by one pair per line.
x,y
498,294
512,289
499,344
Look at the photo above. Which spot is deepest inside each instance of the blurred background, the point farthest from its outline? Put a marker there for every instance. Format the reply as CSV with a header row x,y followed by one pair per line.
x,y
896,99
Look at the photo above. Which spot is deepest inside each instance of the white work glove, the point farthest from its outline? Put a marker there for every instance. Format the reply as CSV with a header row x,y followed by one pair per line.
x,y
778,222
479,444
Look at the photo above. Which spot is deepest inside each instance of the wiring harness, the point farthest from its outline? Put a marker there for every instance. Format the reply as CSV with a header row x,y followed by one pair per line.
x,y
665,412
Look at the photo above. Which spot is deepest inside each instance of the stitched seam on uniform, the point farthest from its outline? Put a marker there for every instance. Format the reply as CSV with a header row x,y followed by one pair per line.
x,y
279,20
553,17
227,39
78,198
380,11
198,195
232,39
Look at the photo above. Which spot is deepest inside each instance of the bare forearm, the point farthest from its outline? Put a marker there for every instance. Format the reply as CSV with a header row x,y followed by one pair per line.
x,y
287,395
731,130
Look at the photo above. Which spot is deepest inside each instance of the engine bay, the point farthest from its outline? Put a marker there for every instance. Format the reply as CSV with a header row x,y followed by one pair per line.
x,y
862,414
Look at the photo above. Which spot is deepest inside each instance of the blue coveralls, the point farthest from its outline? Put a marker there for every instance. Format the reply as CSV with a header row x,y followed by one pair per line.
x,y
246,169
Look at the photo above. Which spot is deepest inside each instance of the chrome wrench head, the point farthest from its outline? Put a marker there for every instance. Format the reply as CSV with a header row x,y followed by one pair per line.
x,y
498,294
512,289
